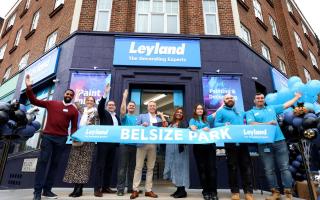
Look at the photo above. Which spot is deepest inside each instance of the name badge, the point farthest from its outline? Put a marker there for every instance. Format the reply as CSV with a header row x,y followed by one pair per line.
x,y
65,110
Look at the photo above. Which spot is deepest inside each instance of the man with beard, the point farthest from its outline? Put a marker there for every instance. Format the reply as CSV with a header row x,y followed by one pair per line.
x,y
54,137
237,154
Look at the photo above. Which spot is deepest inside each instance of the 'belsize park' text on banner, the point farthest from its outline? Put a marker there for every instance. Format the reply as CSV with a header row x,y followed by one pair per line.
x,y
134,51
156,135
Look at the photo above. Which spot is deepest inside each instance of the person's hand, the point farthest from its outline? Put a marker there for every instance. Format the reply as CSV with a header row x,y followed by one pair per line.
x,y
227,124
125,93
107,89
160,113
298,95
76,96
193,128
145,124
272,123
206,129
28,80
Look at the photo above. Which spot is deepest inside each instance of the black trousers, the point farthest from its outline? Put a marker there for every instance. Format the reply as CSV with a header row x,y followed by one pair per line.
x,y
205,155
105,153
238,157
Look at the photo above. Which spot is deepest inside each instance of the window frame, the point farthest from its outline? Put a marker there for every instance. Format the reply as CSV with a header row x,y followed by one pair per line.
x,y
243,27
165,16
217,19
304,28
11,21
307,74
7,73
313,59
47,41
289,6
18,36
255,3
274,28
282,66
27,5
57,3
33,20
3,50
24,55
268,57
103,10
298,40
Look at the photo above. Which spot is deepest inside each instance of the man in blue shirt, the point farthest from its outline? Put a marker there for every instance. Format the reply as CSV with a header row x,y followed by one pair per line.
x,y
127,158
274,152
237,154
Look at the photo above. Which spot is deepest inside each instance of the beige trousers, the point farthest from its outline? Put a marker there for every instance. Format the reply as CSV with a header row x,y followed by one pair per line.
x,y
149,151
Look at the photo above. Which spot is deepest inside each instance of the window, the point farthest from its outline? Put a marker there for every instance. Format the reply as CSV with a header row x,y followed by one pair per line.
x,y
245,34
35,20
27,4
58,3
11,21
2,50
305,30
17,40
6,74
289,6
298,40
51,41
211,20
265,52
313,59
157,16
257,9
307,75
282,66
24,61
274,27
103,15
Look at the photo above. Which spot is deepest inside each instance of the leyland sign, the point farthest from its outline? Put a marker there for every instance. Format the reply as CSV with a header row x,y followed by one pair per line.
x,y
157,52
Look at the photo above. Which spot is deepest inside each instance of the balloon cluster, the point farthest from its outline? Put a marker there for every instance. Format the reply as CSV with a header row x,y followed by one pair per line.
x,y
296,167
16,122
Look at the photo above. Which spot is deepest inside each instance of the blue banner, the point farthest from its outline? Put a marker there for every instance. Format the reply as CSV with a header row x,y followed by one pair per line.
x,y
156,135
279,80
157,52
215,87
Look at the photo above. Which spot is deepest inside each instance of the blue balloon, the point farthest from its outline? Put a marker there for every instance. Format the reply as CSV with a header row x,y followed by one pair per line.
x,y
23,108
298,87
292,169
284,95
309,106
5,130
296,164
309,98
271,99
293,80
299,158
288,117
36,125
26,132
313,87
297,122
310,115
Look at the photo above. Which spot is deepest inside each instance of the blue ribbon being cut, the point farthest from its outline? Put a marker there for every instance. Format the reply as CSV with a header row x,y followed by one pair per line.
x,y
156,135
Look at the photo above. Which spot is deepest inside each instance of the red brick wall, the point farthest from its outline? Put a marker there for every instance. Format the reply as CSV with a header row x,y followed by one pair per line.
x,y
88,11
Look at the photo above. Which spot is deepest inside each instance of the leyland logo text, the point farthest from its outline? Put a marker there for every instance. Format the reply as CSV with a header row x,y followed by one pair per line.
x,y
157,49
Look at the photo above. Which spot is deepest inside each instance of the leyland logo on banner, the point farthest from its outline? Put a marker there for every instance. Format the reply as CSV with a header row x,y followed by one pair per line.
x,y
157,52
215,87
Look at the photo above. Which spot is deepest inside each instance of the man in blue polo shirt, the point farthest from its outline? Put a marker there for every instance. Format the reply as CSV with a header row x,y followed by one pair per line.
x,y
274,152
127,158
237,154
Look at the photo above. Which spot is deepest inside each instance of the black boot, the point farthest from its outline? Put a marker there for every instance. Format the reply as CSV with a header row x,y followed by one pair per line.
x,y
175,192
74,190
78,192
181,193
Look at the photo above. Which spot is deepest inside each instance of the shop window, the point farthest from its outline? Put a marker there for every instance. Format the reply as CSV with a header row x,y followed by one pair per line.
x,y
298,40
35,20
103,15
265,51
18,35
245,34
2,50
282,66
24,61
313,59
274,27
51,41
257,9
307,74
7,74
11,21
211,20
58,3
157,16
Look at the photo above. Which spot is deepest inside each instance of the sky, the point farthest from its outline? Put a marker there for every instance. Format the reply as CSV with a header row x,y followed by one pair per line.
x,y
309,8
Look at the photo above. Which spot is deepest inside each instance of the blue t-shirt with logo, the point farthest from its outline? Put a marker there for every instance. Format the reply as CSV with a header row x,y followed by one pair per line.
x,y
266,114
129,120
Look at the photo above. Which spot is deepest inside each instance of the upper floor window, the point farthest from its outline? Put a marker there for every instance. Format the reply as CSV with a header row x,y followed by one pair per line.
x,y
245,34
11,21
58,3
289,6
307,74
298,40
51,41
274,27
265,51
27,4
211,20
304,28
313,59
2,50
6,75
17,40
157,16
257,9
24,61
103,15
282,66
35,20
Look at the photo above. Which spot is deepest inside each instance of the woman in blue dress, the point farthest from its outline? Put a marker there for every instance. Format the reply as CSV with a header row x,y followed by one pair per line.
x,y
205,154
177,159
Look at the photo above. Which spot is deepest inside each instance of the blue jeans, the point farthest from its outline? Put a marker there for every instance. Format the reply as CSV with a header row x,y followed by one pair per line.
x,y
127,163
278,153
51,150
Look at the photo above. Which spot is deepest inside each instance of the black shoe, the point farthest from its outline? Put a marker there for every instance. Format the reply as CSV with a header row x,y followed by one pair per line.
x,y
74,190
108,190
37,196
181,193
49,195
120,193
214,197
78,192
174,192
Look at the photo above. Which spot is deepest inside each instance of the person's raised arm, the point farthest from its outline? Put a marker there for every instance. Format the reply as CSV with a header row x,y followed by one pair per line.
x,y
104,98
123,107
31,96
289,103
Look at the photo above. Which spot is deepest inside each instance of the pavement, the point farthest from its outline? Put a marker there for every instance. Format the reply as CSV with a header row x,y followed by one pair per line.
x,y
163,192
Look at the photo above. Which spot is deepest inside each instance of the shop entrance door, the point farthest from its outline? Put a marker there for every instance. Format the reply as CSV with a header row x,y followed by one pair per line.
x,y
167,101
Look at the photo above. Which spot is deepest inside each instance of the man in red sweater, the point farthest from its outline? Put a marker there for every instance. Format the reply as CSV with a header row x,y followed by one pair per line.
x,y
54,137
